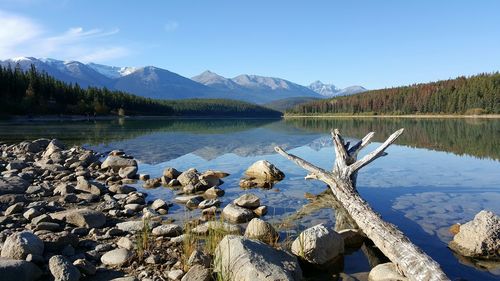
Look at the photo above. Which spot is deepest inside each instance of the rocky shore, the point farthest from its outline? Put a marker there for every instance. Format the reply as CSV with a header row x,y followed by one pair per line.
x,y
72,214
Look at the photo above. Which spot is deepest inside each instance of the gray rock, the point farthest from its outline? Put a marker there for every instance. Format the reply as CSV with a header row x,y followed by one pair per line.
x,y
197,273
214,192
188,177
207,203
128,172
134,226
261,230
89,186
64,189
16,165
116,257
121,189
126,243
20,244
186,198
85,266
260,211
171,173
18,270
63,270
31,214
479,238
264,170
13,185
353,238
242,259
175,274
159,204
117,162
14,209
82,217
53,147
247,201
318,244
237,214
218,226
385,272
199,258
168,230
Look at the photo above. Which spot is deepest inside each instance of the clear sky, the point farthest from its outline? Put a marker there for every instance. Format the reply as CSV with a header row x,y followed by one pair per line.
x,y
371,43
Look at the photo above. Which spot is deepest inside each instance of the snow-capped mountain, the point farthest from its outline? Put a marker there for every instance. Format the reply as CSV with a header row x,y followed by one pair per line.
x,y
154,82
330,90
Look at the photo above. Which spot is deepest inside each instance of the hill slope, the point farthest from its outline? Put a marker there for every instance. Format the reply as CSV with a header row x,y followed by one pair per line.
x,y
288,103
463,95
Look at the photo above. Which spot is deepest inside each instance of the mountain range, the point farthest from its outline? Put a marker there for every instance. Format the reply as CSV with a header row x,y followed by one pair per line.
x,y
158,83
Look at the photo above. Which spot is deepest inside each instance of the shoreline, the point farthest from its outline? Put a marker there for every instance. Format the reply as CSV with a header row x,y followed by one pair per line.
x,y
417,116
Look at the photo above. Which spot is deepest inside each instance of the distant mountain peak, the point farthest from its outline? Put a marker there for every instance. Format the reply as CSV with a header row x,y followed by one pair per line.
x,y
330,90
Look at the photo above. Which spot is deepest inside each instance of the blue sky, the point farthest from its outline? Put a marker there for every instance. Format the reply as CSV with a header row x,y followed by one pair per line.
x,y
371,43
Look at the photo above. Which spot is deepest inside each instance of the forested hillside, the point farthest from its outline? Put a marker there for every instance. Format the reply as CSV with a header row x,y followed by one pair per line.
x,y
478,94
33,93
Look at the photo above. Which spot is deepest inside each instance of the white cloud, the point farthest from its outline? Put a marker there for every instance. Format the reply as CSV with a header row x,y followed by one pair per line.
x,y
171,26
21,36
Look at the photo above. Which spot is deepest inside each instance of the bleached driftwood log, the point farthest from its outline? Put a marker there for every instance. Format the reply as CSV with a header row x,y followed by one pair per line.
x,y
410,260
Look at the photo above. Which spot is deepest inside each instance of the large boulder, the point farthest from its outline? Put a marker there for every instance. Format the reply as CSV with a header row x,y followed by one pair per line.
x,y
81,217
118,162
20,244
385,272
236,214
318,244
261,230
62,269
241,259
262,169
13,185
479,238
18,270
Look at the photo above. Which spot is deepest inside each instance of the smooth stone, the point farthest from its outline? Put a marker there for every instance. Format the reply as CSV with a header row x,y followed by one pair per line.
x,y
159,204
175,274
168,230
134,226
247,201
117,162
128,172
18,270
236,214
262,169
207,203
116,257
14,209
261,230
318,244
385,272
20,244
214,192
82,217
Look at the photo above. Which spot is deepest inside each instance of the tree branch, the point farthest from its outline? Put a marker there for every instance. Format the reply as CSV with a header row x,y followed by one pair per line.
x,y
355,149
367,159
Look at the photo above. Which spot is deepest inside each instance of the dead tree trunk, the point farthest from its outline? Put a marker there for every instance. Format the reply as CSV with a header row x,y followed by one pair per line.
x,y
410,260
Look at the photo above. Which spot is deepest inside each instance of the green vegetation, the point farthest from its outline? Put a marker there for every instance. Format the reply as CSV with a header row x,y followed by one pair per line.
x,y
287,103
478,94
33,93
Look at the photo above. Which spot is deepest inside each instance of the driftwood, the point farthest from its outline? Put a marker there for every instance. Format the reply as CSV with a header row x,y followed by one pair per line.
x,y
410,260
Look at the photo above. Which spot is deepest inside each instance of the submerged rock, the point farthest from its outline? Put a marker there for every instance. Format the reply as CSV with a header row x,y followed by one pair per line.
x,y
479,238
247,201
242,259
385,272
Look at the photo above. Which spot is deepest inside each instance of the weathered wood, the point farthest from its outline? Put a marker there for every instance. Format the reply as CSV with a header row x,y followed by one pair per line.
x,y
410,260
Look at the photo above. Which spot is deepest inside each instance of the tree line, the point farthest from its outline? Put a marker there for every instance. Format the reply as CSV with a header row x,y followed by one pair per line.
x,y
36,93
479,94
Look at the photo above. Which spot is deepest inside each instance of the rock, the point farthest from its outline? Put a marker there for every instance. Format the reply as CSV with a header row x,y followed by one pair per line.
x,y
175,274
56,242
385,272
168,230
85,266
63,270
143,177
214,192
236,214
127,278
13,185
133,207
193,202
262,169
122,189
185,199
260,211
128,172
31,213
18,270
209,203
247,201
117,162
210,180
126,243
82,217
199,258
171,173
116,257
242,259
159,204
14,209
41,218
261,230
89,186
152,183
197,273
20,244
211,211
64,189
479,238
318,244
53,147
454,229
188,177
134,226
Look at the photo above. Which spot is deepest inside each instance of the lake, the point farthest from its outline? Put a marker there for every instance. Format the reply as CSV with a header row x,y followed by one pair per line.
x,y
438,173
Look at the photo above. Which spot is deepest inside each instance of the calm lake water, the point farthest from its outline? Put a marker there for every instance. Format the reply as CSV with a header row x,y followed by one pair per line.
x,y
439,172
